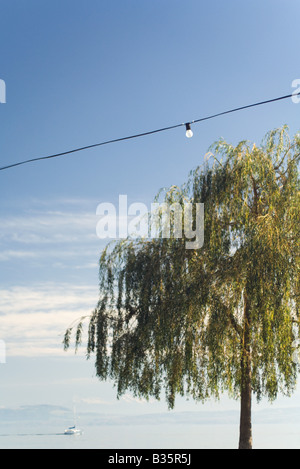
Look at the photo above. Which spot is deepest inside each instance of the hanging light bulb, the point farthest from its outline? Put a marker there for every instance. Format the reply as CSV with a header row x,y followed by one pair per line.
x,y
189,132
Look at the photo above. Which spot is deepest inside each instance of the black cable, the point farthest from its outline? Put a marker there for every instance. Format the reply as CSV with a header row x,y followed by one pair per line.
x,y
90,146
148,133
247,107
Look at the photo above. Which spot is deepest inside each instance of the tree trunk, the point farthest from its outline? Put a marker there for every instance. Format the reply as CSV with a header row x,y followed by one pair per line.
x,y
245,418
246,388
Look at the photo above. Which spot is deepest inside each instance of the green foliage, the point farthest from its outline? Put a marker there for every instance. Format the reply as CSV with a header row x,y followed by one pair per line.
x,y
174,319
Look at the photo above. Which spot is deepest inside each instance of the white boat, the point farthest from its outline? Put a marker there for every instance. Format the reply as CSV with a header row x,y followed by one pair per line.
x,y
73,431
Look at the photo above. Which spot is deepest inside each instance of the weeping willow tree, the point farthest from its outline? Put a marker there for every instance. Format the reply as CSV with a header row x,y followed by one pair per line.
x,y
223,318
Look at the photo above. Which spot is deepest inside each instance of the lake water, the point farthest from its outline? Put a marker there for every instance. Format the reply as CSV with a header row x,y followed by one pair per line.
x,y
265,436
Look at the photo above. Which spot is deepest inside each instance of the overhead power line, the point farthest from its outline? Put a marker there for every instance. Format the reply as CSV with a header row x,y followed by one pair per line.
x,y
144,134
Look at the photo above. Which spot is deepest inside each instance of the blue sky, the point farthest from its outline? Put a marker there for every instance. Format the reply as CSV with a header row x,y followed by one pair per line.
x,y
78,73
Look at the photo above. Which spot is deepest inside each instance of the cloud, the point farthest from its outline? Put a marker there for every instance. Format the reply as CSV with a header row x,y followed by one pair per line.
x,y
59,224
16,254
53,239
95,401
51,227
59,233
129,398
34,319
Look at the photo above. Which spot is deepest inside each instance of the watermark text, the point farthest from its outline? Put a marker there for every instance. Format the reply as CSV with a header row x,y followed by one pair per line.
x,y
296,93
161,221
2,92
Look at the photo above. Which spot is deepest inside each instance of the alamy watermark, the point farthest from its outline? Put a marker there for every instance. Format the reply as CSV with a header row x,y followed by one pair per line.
x,y
161,221
2,352
296,93
2,92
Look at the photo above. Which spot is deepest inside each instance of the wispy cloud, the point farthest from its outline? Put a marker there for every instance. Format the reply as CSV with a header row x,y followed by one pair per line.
x,y
95,401
129,398
48,240
16,254
36,227
61,231
33,319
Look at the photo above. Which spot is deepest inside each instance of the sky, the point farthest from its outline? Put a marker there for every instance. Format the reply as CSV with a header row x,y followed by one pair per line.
x,y
82,72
